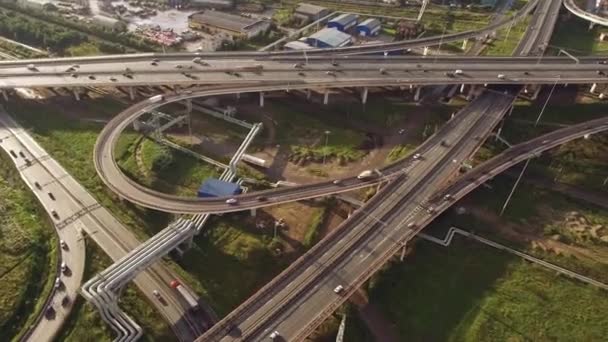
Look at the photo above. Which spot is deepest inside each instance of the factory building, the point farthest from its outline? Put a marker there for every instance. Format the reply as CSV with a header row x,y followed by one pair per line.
x,y
343,22
369,27
220,22
215,4
329,38
308,12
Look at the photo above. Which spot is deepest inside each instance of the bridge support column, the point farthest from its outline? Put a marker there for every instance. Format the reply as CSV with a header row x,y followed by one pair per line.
x,y
253,212
593,86
188,106
261,99
364,93
238,96
76,94
464,44
470,94
417,94
591,25
4,95
425,51
462,86
403,251
132,93
326,97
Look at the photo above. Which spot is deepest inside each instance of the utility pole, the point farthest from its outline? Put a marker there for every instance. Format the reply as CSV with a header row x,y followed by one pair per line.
x,y
325,149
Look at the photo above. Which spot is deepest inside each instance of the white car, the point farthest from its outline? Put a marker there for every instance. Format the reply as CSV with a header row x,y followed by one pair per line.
x,y
274,335
63,244
501,76
232,201
417,156
339,289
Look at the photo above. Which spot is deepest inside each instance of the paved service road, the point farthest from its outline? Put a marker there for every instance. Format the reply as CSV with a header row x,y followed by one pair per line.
x,y
78,211
73,255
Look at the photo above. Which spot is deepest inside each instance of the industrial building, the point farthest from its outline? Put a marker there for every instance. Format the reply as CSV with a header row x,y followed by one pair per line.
x,y
215,4
343,22
217,188
329,38
308,12
369,27
220,22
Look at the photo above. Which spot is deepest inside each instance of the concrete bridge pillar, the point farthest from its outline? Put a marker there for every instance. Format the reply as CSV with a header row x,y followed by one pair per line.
x,y
4,95
464,44
261,99
308,94
238,96
591,25
364,94
188,106
253,212
403,251
462,86
76,94
417,94
132,93
425,51
593,87
326,97
471,93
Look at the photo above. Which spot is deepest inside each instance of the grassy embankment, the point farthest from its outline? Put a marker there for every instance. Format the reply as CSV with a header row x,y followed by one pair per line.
x,y
469,292
28,253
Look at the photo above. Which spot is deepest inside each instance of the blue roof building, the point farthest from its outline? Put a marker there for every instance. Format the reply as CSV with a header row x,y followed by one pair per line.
x,y
369,27
329,38
343,22
212,187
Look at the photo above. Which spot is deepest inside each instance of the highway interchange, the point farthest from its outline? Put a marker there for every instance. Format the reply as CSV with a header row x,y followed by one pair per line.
x,y
299,299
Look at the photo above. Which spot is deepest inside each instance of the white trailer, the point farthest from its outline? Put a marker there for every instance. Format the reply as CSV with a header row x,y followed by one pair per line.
x,y
188,297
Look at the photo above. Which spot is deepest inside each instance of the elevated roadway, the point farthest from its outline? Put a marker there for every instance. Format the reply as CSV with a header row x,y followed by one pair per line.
x,y
300,298
406,70
581,13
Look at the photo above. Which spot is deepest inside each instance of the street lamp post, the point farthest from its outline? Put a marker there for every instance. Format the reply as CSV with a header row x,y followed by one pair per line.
x,y
325,149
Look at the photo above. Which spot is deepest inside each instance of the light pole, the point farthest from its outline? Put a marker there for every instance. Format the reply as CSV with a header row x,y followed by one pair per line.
x,y
547,101
325,149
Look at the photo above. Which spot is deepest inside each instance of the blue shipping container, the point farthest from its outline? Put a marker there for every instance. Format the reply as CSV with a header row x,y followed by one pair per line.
x,y
212,187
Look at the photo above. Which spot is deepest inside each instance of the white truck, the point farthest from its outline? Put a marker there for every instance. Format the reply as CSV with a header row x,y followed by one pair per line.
x,y
186,295
367,174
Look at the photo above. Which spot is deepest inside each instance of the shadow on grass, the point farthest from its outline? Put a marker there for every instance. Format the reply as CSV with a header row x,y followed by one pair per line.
x,y
432,293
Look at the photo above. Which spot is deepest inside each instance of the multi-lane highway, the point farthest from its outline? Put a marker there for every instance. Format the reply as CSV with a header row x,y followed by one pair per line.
x,y
16,145
406,70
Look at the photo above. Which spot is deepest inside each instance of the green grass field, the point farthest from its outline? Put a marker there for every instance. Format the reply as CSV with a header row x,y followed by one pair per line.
x,y
28,248
182,177
469,292
574,36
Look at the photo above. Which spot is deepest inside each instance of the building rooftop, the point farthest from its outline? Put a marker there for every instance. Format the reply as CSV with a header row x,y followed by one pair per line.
x,y
310,9
331,36
371,23
344,19
224,20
